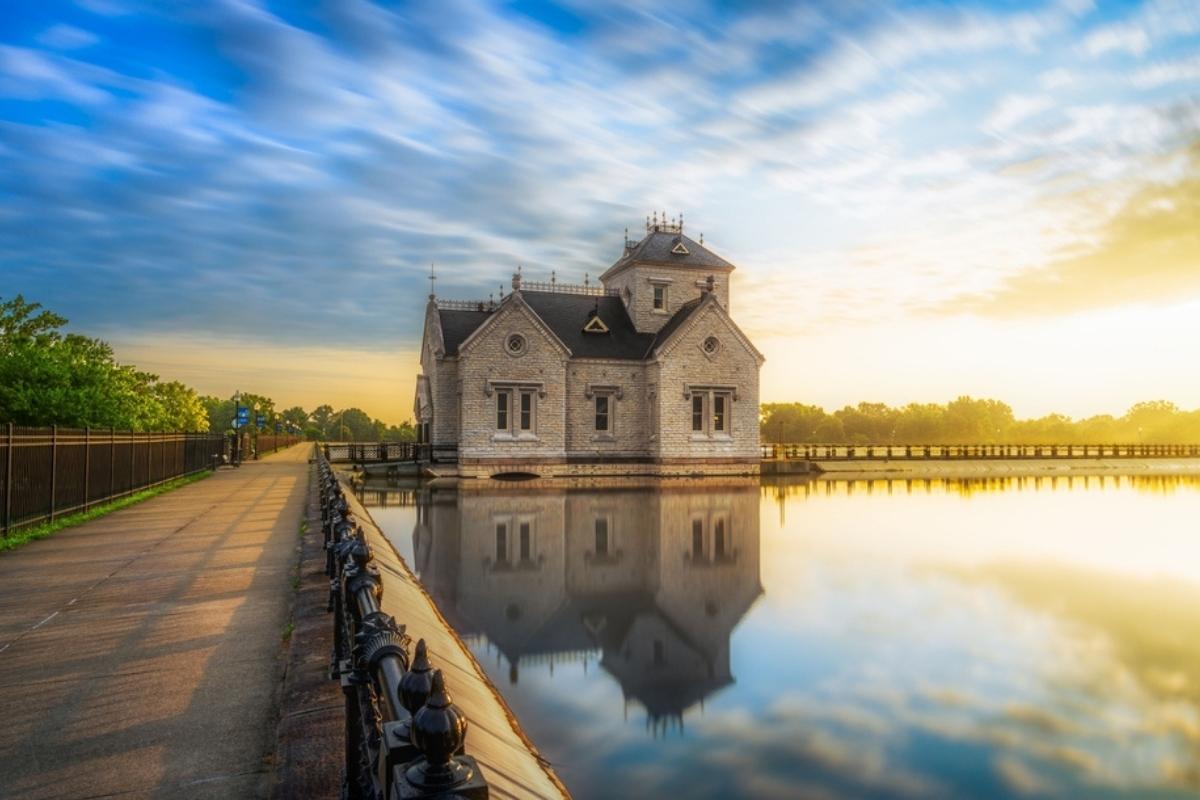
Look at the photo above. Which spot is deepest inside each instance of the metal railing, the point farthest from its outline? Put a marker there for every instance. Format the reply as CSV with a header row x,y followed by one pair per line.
x,y
404,736
850,452
48,472
375,452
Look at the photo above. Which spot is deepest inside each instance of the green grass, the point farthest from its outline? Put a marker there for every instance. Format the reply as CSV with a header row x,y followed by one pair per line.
x,y
23,536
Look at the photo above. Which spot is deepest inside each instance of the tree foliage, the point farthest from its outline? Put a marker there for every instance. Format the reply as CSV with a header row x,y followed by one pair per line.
x,y
969,420
49,377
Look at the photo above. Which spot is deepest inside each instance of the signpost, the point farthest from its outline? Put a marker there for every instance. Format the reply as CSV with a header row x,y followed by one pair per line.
x,y
243,417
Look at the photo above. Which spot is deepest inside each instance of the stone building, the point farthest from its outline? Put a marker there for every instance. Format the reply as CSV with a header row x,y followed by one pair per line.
x,y
646,373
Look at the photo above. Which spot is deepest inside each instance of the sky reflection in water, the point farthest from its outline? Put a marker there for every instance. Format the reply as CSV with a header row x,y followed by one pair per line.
x,y
986,639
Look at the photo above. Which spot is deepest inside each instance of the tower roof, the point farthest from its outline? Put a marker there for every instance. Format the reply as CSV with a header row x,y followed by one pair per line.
x,y
662,247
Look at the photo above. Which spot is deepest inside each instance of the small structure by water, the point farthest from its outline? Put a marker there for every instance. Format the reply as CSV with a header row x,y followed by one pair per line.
x,y
644,373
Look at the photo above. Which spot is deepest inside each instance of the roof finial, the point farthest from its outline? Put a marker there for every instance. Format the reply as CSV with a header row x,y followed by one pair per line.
x,y
626,236
516,279
585,279
681,222
432,278
553,276
647,223
655,220
702,238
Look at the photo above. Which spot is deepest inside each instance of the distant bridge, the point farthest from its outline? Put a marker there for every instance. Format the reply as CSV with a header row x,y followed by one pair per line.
x,y
388,452
974,452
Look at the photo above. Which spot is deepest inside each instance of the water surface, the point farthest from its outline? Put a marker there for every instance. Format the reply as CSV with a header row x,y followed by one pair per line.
x,y
999,638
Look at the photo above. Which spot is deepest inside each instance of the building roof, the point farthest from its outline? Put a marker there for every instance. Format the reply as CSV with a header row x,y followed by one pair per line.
x,y
458,325
661,247
565,314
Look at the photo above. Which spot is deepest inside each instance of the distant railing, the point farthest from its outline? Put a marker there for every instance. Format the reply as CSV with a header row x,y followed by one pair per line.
x,y
850,452
591,290
381,452
48,472
404,736
466,305
270,442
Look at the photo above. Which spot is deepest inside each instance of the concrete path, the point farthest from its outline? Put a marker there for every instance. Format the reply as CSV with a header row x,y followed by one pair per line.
x,y
141,654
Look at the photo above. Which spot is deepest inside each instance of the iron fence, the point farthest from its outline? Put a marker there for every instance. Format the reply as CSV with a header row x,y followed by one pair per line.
x,y
48,472
845,452
404,736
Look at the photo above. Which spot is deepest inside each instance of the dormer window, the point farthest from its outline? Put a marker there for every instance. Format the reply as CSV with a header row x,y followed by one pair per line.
x,y
660,297
679,249
595,325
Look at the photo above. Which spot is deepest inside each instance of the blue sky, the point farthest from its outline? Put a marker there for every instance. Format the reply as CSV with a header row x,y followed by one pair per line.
x,y
235,191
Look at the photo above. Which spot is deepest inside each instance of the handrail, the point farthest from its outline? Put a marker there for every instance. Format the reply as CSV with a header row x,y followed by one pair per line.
x,y
404,736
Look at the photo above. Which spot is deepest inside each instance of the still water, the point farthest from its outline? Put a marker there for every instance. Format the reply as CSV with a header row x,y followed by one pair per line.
x,y
982,639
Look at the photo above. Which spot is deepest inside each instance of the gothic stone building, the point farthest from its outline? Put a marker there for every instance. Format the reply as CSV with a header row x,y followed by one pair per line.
x,y
645,374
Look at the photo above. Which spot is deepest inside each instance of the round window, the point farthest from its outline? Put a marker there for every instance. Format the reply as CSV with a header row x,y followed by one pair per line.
x,y
516,344
711,345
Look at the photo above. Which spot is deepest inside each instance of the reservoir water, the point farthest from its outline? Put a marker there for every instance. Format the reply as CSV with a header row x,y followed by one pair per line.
x,y
983,639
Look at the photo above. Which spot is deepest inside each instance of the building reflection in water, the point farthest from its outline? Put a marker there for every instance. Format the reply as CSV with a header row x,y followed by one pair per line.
x,y
653,577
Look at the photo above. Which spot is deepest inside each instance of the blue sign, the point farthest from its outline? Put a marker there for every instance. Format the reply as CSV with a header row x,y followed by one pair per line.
x,y
260,420
278,427
243,416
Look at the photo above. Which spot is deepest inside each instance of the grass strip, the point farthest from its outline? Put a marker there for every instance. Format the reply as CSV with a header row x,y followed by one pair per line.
x,y
23,536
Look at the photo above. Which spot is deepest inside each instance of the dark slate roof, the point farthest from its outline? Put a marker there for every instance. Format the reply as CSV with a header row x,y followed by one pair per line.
x,y
656,249
458,325
566,314
677,319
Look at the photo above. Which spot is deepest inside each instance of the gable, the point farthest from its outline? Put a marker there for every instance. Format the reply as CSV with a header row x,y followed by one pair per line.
x,y
705,310
513,305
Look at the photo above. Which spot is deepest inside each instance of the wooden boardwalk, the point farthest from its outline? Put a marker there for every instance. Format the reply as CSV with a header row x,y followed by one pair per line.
x,y
141,654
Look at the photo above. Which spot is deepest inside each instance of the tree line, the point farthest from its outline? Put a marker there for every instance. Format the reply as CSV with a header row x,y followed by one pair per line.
x,y
51,377
969,420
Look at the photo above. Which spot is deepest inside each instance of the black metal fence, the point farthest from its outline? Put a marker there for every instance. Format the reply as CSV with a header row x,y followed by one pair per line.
x,y
374,452
404,737
48,472
844,452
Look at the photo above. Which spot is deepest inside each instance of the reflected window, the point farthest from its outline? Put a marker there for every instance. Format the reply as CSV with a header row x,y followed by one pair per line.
x,y
697,539
719,547
524,540
501,543
602,536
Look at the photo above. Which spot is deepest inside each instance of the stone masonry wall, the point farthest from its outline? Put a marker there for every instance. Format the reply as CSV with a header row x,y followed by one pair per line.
x,y
628,418
682,288
686,364
488,358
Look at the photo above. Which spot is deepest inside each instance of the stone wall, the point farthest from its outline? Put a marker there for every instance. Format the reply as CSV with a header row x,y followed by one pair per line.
x,y
682,285
485,359
687,364
628,433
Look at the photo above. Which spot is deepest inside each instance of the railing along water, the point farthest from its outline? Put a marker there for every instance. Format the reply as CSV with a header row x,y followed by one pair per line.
x,y
374,452
404,736
847,452
48,472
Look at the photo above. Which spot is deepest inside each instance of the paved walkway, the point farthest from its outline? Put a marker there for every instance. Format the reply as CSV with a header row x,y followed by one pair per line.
x,y
140,654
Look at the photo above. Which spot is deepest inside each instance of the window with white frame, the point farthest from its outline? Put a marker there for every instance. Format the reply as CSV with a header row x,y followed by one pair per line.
x,y
660,296
604,409
711,409
516,411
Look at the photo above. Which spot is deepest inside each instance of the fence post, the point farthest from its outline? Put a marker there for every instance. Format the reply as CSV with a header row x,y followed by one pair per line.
x,y
87,465
8,469
112,461
53,467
